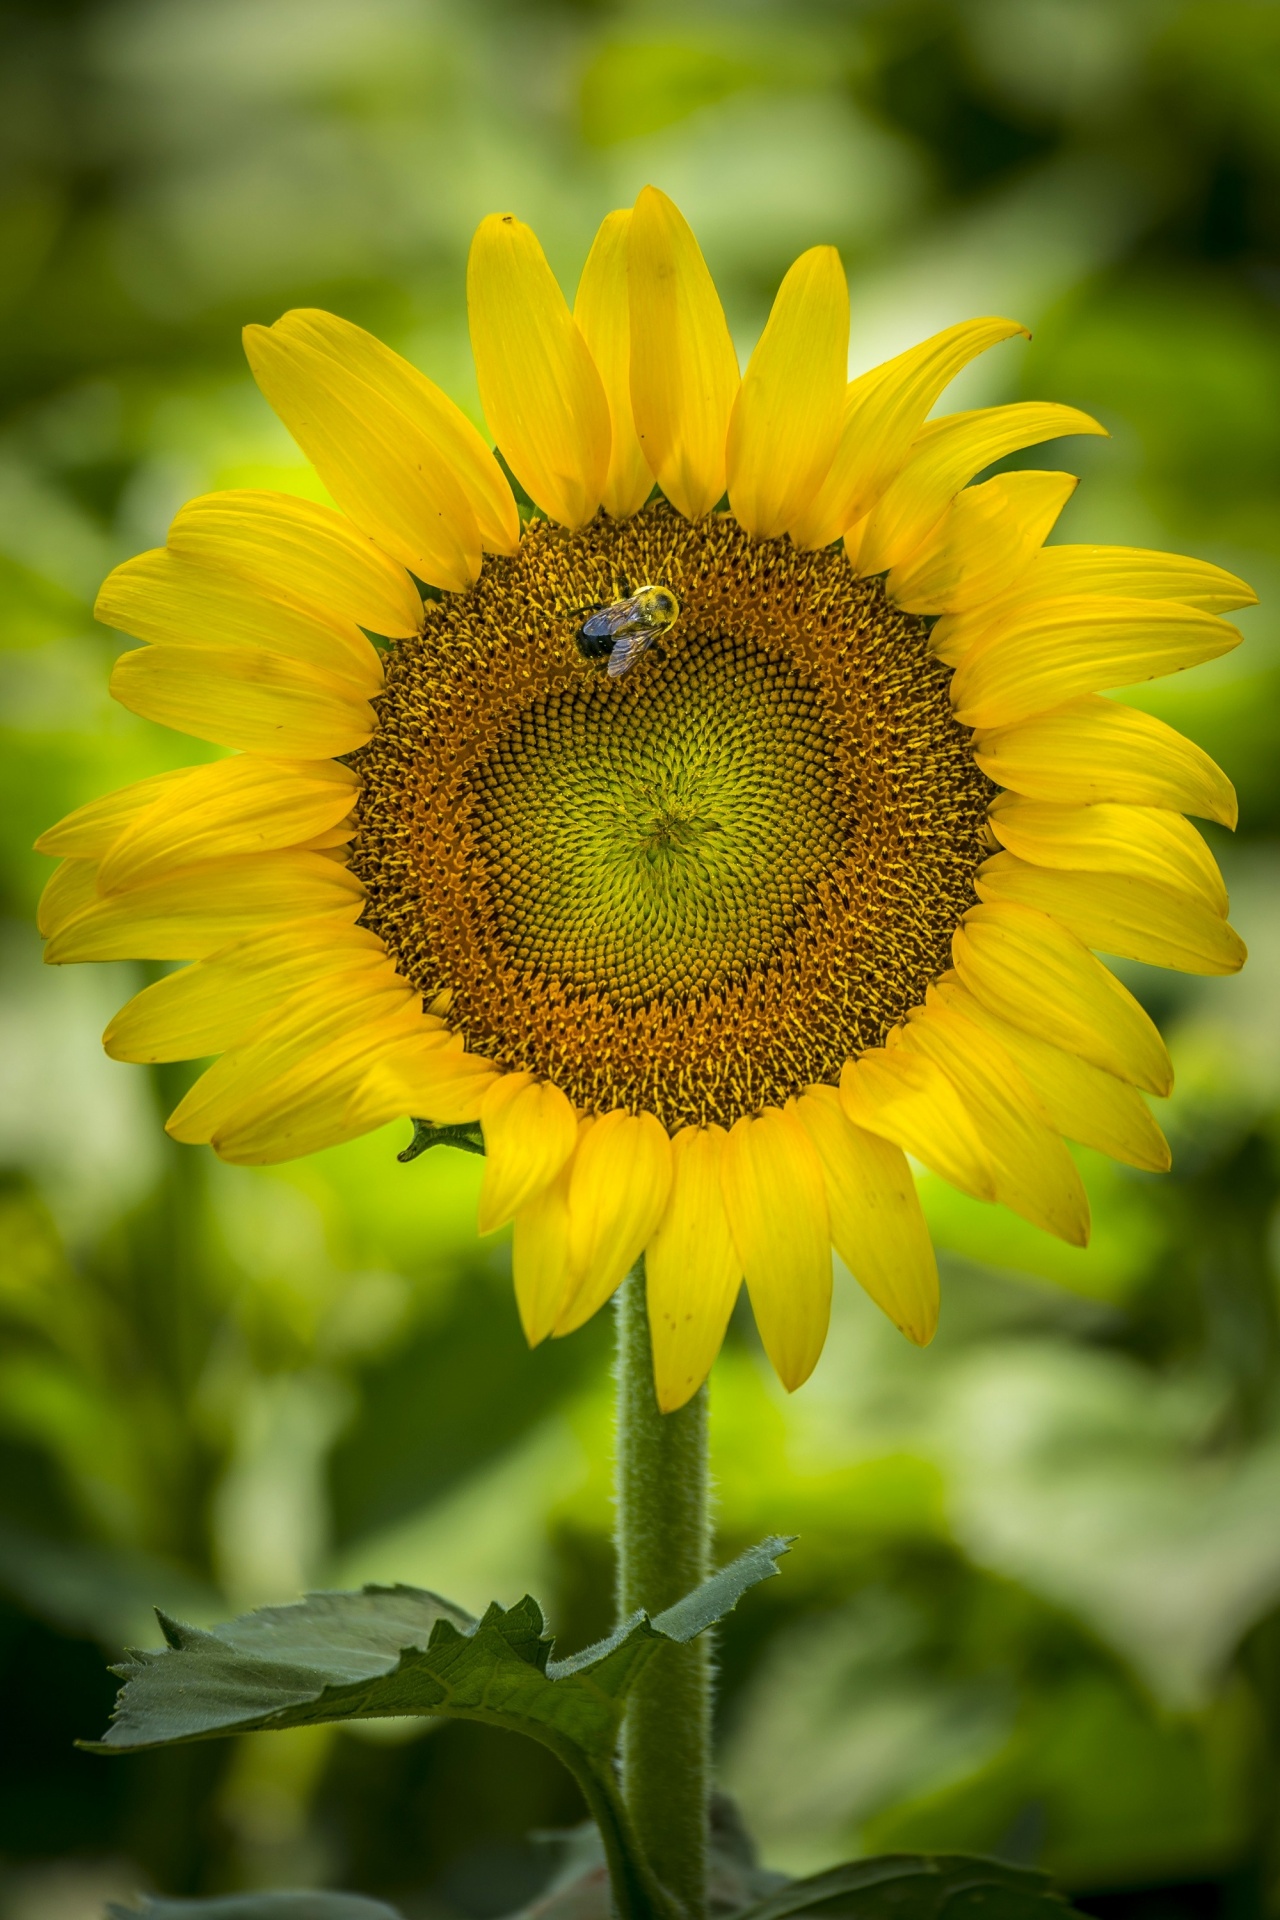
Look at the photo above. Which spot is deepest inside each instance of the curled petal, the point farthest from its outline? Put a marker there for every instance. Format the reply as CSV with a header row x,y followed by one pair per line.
x,y
1034,1173
602,311
906,1098
330,385
786,419
1147,842
776,1200
684,371
1079,1099
946,455
692,1269
1047,654
884,410
617,1195
877,1225
1026,967
1134,918
239,697
539,387
540,1252
985,541
191,914
1096,750
529,1133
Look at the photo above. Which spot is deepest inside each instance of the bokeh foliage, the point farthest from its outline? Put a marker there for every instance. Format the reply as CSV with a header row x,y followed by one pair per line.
x,y
1034,1606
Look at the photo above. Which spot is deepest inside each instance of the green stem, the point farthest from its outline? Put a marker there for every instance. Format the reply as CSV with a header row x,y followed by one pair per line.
x,y
636,1892
663,1547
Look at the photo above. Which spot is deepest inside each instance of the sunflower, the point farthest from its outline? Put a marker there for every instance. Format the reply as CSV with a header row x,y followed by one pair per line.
x,y
709,947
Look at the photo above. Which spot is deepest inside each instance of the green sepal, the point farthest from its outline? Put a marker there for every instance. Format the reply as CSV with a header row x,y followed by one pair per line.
x,y
466,1136
917,1886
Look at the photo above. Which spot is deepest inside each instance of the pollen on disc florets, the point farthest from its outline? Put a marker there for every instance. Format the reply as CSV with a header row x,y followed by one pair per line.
x,y
696,888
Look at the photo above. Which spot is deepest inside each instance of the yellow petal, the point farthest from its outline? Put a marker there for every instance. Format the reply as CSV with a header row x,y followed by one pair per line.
x,y
1136,919
1080,1100
1079,573
1097,750
776,1200
309,1106
907,1099
1049,654
92,829
210,1006
540,1252
877,1226
238,697
310,1111
541,394
1136,573
194,913
383,470
984,541
431,415
529,1133
427,1078
1034,1173
1030,970
340,836
602,311
692,1269
242,805
883,412
177,602
1148,842
946,455
617,1195
684,371
303,553
71,889
786,419
322,1026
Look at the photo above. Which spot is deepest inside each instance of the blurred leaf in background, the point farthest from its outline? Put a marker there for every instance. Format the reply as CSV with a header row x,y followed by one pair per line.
x,y
1035,1609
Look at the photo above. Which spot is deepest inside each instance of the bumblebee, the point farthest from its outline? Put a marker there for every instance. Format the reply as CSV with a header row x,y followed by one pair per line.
x,y
624,630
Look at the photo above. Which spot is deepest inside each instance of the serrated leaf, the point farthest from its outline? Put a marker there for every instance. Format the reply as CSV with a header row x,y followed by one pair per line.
x,y
697,1611
388,1651
915,1886
265,1905
721,1593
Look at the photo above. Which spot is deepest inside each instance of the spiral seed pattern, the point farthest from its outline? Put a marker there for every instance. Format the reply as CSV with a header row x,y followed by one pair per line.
x,y
700,887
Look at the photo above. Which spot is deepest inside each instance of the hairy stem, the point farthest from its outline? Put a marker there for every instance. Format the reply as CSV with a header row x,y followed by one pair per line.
x,y
663,1550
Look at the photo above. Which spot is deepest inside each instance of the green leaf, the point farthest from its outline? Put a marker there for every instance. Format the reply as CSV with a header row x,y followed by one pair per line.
x,y
696,1612
274,1905
390,1651
916,1886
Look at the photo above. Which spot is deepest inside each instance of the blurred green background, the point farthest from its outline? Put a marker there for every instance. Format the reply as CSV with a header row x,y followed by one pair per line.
x,y
1035,1608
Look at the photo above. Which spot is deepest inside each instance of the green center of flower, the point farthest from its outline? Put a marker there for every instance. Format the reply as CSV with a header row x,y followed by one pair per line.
x,y
660,833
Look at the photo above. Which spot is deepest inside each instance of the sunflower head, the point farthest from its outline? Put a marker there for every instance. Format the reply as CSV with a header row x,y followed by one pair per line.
x,y
739,823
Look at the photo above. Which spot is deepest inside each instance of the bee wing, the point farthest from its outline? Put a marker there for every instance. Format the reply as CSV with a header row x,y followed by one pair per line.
x,y
626,651
610,620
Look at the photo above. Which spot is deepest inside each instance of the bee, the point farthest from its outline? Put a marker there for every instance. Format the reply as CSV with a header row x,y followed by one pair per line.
x,y
624,630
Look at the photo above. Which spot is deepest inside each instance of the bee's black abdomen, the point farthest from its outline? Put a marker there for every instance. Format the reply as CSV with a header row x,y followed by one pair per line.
x,y
594,646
